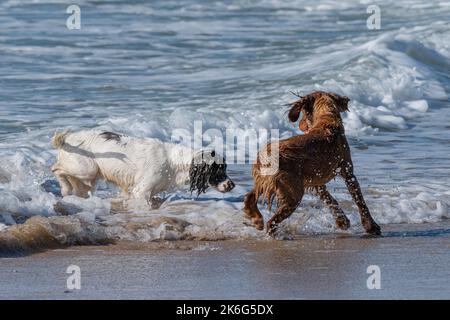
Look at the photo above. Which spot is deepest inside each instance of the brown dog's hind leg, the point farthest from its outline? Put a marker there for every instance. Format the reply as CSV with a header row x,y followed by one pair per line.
x,y
252,212
342,221
367,221
288,200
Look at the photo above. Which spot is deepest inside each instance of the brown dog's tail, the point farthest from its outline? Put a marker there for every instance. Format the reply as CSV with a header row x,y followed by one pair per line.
x,y
59,139
266,174
265,186
265,189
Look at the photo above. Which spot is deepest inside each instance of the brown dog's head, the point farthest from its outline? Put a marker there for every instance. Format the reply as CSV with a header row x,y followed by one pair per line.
x,y
318,109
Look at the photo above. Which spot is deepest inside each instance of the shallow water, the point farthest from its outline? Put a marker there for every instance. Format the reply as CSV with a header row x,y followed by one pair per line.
x,y
413,261
150,68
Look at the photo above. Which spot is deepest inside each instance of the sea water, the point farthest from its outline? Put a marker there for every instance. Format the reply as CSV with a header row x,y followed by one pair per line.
x,y
148,68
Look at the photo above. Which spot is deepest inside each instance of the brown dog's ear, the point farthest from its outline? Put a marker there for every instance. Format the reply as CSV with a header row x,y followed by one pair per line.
x,y
343,103
304,104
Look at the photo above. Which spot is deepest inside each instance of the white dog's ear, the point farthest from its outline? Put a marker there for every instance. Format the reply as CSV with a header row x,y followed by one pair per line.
x,y
199,173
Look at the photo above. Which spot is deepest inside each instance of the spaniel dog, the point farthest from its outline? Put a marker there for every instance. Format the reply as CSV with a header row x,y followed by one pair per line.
x,y
306,162
140,167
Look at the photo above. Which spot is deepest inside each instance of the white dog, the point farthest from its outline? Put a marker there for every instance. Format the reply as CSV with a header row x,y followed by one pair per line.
x,y
140,167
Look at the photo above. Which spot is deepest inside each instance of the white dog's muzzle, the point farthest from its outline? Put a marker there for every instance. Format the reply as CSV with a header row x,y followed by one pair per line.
x,y
226,185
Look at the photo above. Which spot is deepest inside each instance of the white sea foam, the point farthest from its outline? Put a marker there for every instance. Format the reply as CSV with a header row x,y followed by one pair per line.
x,y
229,72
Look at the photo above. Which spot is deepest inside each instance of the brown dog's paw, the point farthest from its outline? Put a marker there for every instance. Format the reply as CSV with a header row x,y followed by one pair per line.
x,y
342,222
272,229
372,228
257,223
272,232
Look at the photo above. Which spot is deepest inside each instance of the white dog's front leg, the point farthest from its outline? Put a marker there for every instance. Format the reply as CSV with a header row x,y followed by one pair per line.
x,y
144,192
156,202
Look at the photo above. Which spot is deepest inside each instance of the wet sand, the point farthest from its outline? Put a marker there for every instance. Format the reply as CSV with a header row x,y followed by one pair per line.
x,y
414,262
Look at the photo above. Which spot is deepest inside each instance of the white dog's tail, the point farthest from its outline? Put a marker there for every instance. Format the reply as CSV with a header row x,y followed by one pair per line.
x,y
59,138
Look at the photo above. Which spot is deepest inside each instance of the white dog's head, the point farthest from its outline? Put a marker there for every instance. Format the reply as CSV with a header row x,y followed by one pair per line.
x,y
209,170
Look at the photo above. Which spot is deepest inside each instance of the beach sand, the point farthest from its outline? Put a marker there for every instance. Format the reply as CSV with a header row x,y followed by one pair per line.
x,y
414,261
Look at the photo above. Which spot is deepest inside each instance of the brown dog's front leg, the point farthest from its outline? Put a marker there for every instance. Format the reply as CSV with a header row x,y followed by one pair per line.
x,y
367,221
342,221
287,200
283,212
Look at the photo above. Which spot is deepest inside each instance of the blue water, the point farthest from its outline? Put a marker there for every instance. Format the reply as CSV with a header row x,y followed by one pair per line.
x,y
146,68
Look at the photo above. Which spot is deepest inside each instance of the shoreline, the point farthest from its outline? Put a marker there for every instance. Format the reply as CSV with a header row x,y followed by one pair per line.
x,y
413,261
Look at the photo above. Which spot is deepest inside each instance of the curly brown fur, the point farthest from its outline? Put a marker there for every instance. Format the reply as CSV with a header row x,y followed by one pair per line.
x,y
308,161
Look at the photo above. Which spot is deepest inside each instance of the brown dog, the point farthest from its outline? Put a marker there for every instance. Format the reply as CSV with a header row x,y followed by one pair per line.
x,y
309,161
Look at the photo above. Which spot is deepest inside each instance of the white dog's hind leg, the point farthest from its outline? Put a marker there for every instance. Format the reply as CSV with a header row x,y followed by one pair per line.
x,y
80,189
66,187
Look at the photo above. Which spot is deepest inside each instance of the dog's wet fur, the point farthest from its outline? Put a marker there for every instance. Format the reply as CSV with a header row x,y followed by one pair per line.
x,y
309,161
140,167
